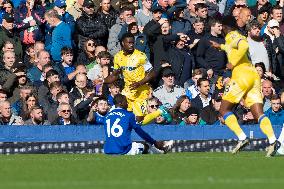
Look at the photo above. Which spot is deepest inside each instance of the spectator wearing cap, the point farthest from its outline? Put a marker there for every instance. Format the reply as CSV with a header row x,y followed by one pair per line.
x,y
125,17
273,31
76,9
275,113
144,15
168,93
191,117
7,33
208,57
89,26
61,34
260,48
203,98
60,7
210,114
29,20
36,117
107,13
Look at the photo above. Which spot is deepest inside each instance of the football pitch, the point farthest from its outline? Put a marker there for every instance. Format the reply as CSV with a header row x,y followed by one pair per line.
x,y
175,170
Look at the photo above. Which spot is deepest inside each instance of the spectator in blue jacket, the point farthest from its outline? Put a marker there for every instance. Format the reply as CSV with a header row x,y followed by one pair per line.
x,y
275,113
61,35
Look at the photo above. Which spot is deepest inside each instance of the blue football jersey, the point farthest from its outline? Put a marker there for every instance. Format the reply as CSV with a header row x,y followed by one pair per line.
x,y
118,126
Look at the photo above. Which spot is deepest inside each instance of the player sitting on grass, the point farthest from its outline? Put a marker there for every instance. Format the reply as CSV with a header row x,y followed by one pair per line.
x,y
245,83
118,126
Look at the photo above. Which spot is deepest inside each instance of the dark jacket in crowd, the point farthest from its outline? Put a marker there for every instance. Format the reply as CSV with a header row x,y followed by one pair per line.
x,y
108,19
152,30
36,32
59,121
182,64
180,25
279,43
6,35
89,26
197,103
209,115
209,57
7,79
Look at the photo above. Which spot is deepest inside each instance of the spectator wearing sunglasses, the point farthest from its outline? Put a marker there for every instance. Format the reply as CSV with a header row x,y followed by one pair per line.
x,y
64,115
87,55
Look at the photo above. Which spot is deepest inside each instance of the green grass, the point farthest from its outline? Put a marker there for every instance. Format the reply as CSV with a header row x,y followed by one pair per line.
x,y
176,170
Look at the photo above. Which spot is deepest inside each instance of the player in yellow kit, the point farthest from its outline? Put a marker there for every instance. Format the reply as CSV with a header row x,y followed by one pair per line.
x,y
245,83
137,73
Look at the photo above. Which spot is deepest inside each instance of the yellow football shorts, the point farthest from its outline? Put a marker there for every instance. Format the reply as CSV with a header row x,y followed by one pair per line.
x,y
245,83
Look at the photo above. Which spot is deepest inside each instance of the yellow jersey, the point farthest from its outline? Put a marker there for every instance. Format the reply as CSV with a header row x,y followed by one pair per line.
x,y
133,66
236,47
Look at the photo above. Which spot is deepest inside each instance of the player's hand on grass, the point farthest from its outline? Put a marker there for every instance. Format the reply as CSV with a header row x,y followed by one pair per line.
x,y
215,45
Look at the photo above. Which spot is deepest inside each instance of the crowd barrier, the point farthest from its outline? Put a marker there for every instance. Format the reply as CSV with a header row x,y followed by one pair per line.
x,y
89,139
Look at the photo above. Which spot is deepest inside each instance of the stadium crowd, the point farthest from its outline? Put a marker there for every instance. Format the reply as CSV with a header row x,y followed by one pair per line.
x,y
62,62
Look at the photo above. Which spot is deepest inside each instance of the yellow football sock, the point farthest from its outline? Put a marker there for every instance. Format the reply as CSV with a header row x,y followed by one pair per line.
x,y
150,117
266,128
232,122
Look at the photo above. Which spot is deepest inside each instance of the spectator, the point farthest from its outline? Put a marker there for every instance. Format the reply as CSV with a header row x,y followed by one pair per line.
x,y
18,105
189,12
35,72
179,24
114,89
99,109
107,13
61,34
195,35
30,101
7,33
168,93
98,49
260,49
89,26
260,3
5,7
190,86
29,20
243,19
191,117
79,92
144,15
210,114
277,14
125,17
8,78
281,98
3,95
29,57
87,55
64,115
101,70
65,16
67,60
275,113
201,10
267,91
182,105
203,98
207,56
37,117
263,15
6,116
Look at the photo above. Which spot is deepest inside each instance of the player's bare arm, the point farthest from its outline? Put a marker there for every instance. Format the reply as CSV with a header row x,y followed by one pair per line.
x,y
112,77
149,77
